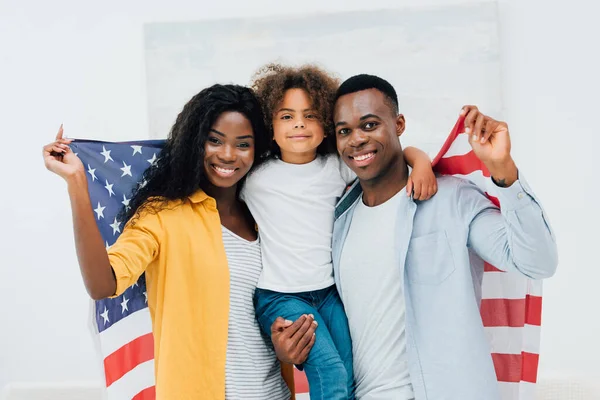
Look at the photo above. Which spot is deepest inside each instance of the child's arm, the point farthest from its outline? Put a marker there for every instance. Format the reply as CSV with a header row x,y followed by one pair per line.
x,y
421,182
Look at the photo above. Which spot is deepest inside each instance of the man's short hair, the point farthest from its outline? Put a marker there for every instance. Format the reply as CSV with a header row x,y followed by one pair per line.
x,y
364,82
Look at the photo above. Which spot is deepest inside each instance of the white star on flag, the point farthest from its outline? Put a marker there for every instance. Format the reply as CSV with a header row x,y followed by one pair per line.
x,y
126,169
136,149
152,160
125,202
109,188
146,296
105,315
115,225
92,172
106,154
100,211
124,305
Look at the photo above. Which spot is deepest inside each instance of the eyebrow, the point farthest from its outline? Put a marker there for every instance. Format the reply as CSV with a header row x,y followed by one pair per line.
x,y
291,110
223,135
367,116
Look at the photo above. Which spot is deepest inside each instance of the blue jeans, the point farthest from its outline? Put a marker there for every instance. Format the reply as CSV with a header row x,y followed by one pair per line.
x,y
329,363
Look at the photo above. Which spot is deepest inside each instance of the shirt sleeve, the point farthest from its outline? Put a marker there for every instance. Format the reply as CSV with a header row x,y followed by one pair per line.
x,y
345,172
248,191
243,191
134,250
517,237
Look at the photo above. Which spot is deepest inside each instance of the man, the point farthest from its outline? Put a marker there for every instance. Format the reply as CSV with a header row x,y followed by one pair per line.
x,y
403,267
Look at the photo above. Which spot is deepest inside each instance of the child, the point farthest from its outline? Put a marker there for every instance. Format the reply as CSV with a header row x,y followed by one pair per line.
x,y
292,197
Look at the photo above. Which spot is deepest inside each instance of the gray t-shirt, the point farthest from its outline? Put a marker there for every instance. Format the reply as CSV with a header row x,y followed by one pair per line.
x,y
252,370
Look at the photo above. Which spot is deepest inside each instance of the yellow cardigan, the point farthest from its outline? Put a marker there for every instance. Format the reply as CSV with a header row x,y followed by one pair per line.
x,y
187,277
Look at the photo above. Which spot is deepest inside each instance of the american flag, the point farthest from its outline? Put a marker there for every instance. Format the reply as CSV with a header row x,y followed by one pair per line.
x,y
121,325
510,307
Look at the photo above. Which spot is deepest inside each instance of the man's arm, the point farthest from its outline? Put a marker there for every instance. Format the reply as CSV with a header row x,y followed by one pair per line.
x,y
287,372
518,237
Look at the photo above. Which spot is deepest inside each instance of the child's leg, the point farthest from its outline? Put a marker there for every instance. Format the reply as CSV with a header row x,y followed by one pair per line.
x,y
332,312
324,368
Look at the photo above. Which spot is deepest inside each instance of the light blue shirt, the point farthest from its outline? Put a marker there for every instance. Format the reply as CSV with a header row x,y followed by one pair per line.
x,y
448,353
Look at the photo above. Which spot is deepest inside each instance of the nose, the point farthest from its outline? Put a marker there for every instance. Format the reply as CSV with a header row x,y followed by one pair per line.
x,y
227,154
357,138
299,123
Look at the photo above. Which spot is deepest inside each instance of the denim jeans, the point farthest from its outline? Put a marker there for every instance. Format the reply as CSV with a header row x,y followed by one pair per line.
x,y
329,363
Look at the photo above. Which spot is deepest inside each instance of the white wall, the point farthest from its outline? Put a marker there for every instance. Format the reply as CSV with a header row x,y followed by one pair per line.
x,y
82,63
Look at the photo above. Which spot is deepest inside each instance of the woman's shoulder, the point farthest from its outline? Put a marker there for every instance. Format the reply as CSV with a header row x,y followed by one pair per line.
x,y
161,207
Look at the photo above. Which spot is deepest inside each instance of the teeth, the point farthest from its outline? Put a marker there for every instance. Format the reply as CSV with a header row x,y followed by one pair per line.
x,y
224,170
364,156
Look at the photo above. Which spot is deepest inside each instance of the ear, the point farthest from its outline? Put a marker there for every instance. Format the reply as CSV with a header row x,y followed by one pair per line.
x,y
400,125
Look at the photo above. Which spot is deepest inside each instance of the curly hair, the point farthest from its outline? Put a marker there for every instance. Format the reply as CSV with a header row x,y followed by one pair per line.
x,y
271,82
179,169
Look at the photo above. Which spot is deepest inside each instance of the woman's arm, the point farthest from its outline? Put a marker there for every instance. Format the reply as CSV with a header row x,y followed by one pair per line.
x,y
98,275
96,271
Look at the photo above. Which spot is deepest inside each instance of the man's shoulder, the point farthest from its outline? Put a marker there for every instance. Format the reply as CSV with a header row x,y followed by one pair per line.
x,y
451,187
451,180
448,185
351,193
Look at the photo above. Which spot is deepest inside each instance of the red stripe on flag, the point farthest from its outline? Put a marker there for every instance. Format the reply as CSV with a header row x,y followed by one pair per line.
x,y
490,268
458,127
463,165
300,381
493,199
530,367
128,357
533,305
516,367
503,312
512,312
146,394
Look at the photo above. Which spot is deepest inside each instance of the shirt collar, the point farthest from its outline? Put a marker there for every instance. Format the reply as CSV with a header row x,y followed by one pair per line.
x,y
199,196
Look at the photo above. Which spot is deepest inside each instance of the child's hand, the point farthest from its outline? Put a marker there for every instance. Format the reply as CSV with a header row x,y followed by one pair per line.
x,y
421,182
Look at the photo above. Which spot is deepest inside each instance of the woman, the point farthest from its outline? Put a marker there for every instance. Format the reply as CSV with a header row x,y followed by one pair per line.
x,y
198,245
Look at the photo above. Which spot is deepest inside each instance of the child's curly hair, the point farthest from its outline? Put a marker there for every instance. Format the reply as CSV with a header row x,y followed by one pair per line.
x,y
271,82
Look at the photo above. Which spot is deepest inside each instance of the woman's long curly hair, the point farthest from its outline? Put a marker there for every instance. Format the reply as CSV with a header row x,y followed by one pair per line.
x,y
179,169
271,82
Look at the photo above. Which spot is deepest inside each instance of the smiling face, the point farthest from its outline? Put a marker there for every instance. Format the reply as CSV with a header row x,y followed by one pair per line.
x,y
367,131
297,127
229,149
